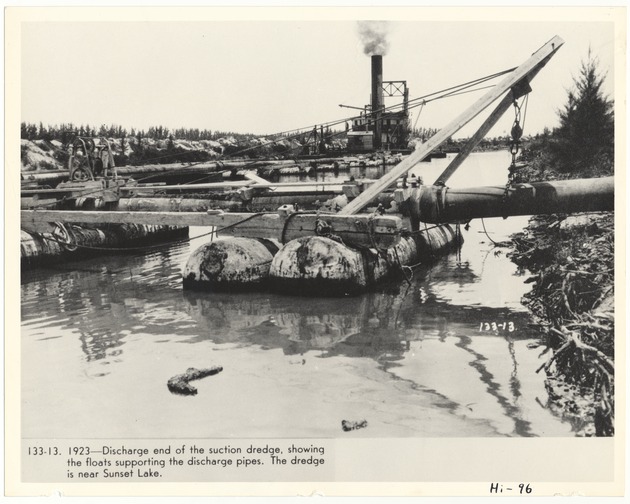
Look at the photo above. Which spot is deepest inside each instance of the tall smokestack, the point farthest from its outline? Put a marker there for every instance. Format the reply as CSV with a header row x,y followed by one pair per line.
x,y
377,97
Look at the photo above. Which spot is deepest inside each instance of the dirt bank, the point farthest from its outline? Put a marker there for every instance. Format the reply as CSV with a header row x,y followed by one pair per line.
x,y
572,299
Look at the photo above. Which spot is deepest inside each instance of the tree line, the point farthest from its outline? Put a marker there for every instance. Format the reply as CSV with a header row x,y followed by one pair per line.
x,y
67,131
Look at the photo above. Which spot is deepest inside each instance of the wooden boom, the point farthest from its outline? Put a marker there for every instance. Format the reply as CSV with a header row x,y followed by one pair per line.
x,y
362,230
534,63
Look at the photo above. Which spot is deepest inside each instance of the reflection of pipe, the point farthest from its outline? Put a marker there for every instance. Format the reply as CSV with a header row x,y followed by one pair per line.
x,y
521,427
442,204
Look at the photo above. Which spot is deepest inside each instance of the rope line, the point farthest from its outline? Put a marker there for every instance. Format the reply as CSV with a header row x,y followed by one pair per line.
x,y
486,232
454,91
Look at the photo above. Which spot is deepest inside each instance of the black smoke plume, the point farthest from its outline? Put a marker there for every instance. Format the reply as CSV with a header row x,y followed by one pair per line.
x,y
373,35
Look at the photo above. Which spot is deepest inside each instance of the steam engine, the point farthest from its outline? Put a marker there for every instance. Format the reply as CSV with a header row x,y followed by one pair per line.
x,y
380,127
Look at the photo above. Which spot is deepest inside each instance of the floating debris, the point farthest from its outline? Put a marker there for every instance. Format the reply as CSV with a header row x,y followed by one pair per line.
x,y
348,425
179,384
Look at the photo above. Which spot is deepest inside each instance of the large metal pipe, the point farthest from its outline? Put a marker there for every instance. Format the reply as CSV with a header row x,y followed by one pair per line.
x,y
45,248
377,97
437,204
173,169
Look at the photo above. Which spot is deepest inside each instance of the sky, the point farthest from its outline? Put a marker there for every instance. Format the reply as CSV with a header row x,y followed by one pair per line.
x,y
268,76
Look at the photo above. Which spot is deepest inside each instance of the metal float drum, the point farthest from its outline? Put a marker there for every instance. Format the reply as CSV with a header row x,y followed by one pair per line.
x,y
230,264
317,265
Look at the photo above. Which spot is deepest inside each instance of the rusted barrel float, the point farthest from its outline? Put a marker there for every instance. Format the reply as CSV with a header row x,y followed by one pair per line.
x,y
80,241
320,265
433,241
230,264
314,265
317,265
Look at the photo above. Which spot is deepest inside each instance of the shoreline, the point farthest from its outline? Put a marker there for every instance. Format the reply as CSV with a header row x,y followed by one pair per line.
x,y
571,260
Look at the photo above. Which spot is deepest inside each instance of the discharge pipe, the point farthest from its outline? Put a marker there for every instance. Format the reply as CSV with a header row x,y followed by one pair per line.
x,y
438,204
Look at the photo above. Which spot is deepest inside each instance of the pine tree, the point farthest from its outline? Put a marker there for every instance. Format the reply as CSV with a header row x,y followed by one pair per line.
x,y
32,132
585,137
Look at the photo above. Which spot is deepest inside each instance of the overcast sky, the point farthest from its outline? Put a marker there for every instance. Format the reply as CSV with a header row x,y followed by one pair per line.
x,y
268,76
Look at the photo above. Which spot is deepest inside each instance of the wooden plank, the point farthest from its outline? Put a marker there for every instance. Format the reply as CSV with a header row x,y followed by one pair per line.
x,y
240,184
364,230
199,167
77,190
311,186
539,58
250,175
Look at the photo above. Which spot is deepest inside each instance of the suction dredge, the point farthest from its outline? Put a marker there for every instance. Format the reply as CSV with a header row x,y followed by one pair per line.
x,y
330,238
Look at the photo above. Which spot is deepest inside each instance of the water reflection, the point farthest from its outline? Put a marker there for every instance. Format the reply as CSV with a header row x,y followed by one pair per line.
x,y
494,388
356,172
104,299
101,303
387,326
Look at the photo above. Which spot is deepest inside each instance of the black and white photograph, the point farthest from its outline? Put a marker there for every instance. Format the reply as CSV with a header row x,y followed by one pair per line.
x,y
316,245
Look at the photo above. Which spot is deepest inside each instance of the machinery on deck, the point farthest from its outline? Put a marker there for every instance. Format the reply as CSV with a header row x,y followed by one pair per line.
x,y
90,158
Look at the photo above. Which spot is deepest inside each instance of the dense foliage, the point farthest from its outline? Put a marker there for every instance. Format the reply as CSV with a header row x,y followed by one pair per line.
x,y
572,297
586,132
583,143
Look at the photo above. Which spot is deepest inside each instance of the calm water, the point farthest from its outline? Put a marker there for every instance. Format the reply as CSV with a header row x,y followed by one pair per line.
x,y
101,337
